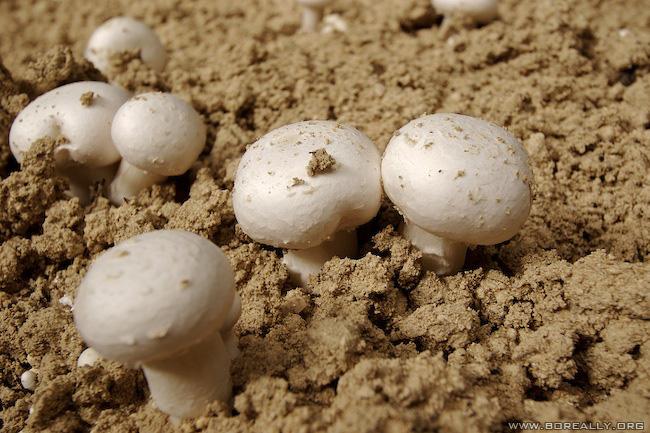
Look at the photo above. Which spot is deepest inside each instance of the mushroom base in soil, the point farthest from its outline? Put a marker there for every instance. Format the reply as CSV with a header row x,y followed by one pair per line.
x,y
184,384
129,181
442,256
81,179
302,264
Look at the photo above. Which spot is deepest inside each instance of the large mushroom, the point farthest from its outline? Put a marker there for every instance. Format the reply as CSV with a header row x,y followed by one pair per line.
x,y
457,181
306,187
160,301
79,116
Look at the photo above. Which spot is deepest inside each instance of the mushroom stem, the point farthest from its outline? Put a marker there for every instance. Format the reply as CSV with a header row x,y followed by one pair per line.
x,y
183,385
442,256
81,179
311,17
129,181
307,262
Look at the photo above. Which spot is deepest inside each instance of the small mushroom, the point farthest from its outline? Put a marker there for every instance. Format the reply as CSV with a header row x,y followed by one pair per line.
x,y
160,300
480,11
29,379
457,181
312,13
121,34
158,135
86,153
306,187
88,358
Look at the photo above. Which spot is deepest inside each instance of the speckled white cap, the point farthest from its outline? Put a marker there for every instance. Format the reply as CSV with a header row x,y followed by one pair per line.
x,y
277,203
159,133
458,177
121,34
154,295
60,112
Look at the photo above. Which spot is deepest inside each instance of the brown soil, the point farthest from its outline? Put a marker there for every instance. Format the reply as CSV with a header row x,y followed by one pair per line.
x,y
551,326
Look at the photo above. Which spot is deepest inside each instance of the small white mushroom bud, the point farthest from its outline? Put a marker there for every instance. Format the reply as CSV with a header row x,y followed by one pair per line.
x,y
121,34
457,181
480,11
158,135
160,300
81,114
312,13
88,358
307,187
29,379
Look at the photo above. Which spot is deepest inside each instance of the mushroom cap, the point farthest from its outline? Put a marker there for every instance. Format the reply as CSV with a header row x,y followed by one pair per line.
x,y
458,177
482,11
121,34
154,295
60,112
314,3
159,133
277,203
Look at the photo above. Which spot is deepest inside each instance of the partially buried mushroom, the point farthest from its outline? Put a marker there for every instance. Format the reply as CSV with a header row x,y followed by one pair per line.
x,y
79,116
457,181
306,187
161,300
120,34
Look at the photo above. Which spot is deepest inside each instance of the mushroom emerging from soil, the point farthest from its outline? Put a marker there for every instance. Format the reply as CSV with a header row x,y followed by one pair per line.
x,y
312,13
480,11
158,135
306,187
457,181
121,34
160,300
80,116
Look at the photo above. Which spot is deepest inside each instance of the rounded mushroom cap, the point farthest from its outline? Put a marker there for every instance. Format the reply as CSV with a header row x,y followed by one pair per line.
x,y
85,125
121,34
481,11
276,200
159,133
460,178
154,295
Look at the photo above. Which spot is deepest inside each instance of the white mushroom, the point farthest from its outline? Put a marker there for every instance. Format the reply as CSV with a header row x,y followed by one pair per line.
x,y
121,34
88,358
457,181
480,11
285,196
158,135
81,114
28,379
159,300
227,329
312,13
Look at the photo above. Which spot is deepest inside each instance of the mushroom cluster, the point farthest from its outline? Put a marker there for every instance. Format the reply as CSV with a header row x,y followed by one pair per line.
x,y
164,301
96,125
